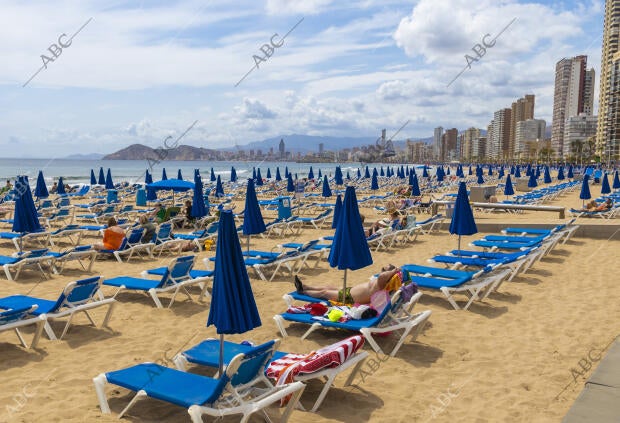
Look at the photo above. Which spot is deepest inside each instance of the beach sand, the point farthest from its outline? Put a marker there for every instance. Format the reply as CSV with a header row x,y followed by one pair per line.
x,y
507,359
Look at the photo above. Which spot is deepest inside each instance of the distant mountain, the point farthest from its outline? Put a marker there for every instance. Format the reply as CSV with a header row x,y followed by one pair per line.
x,y
91,156
143,152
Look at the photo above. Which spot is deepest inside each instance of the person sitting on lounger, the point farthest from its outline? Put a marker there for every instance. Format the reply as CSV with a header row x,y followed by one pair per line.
x,y
149,229
383,223
591,206
112,237
604,206
358,294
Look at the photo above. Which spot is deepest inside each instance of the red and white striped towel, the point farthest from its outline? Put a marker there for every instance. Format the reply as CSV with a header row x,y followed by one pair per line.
x,y
284,369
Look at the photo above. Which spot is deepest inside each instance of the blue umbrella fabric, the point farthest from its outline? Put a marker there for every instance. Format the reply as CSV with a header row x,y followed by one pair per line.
x,y
490,173
367,173
532,181
570,174
233,309
199,208
374,184
233,175
213,178
547,176
508,189
310,173
463,222
164,177
320,174
348,176
480,179
616,184
268,173
219,189
290,186
286,172
381,172
605,188
61,187
25,219
500,174
175,185
148,178
40,190
179,175
415,188
327,192
337,211
338,176
424,172
470,172
93,179
359,174
517,172
349,249
109,184
585,189
448,171
259,178
278,176
411,179
560,174
253,173
101,180
253,222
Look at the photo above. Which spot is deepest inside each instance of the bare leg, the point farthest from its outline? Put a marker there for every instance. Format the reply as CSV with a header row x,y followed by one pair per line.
x,y
328,294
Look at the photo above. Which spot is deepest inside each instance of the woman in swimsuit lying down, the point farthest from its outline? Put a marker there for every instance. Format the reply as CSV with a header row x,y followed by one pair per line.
x,y
358,294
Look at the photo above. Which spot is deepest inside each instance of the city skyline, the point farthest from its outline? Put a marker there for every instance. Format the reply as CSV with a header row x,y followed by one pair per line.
x,y
141,73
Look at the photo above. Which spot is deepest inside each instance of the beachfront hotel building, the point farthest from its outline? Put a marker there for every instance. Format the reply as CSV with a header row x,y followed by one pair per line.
x,y
527,131
437,141
478,147
607,129
573,94
498,143
282,149
520,110
578,128
448,145
467,142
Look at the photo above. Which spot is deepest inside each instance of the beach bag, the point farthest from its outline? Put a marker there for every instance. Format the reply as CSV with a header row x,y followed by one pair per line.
x,y
407,291
208,244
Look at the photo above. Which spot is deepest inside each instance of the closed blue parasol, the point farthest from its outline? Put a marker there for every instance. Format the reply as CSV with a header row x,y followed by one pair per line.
x,y
532,181
560,174
367,173
349,248
517,172
268,173
616,184
148,178
374,184
93,179
585,189
109,184
219,189
286,172
480,179
500,174
320,174
25,219
233,175
570,175
448,171
310,173
164,177
179,175
338,176
327,192
253,222
424,172
101,180
61,187
40,190
278,176
259,178
213,178
381,172
605,189
547,175
490,173
470,172
199,208
348,176
290,186
337,211
233,309
415,188
508,190
462,222
253,173
359,174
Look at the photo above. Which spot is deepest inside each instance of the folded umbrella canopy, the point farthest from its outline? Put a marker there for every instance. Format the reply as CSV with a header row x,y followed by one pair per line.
x,y
337,211
531,183
253,222
338,176
508,189
259,178
462,222
61,187
179,175
327,192
320,174
310,173
560,174
40,190
233,309
547,175
199,208
108,180
219,189
367,173
605,189
93,180
101,180
290,186
164,177
233,175
616,184
374,184
415,188
570,172
213,178
25,218
268,173
585,189
278,176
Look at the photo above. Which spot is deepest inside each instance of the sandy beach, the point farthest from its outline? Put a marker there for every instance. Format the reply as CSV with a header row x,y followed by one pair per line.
x,y
508,358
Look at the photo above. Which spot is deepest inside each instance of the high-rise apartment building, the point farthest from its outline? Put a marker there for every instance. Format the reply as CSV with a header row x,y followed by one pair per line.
x,y
526,131
498,144
608,115
468,138
478,148
573,94
437,141
282,149
578,128
448,144
522,109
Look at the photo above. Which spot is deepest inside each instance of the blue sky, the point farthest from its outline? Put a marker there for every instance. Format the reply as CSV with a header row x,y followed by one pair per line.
x,y
142,70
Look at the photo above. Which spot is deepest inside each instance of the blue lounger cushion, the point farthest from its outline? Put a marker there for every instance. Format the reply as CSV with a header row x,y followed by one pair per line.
x,y
21,301
8,260
207,353
306,298
469,261
133,283
160,271
350,325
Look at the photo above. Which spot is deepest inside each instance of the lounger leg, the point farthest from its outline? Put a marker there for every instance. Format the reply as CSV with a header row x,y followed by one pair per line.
x,y
368,335
50,333
153,295
280,324
100,382
356,369
312,328
292,403
38,331
326,387
140,395
69,324
7,272
108,315
449,297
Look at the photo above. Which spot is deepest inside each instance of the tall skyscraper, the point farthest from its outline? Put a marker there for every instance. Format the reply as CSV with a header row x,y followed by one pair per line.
x,y
573,94
499,146
608,115
448,145
437,141
468,140
522,109
281,149
526,131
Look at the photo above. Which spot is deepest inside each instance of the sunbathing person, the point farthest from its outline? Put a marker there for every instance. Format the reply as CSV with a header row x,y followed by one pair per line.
x,y
604,206
383,223
112,237
358,294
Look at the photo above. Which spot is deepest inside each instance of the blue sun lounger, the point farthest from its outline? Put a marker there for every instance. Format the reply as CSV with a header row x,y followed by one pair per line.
x,y
77,297
233,392
176,278
504,245
20,317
